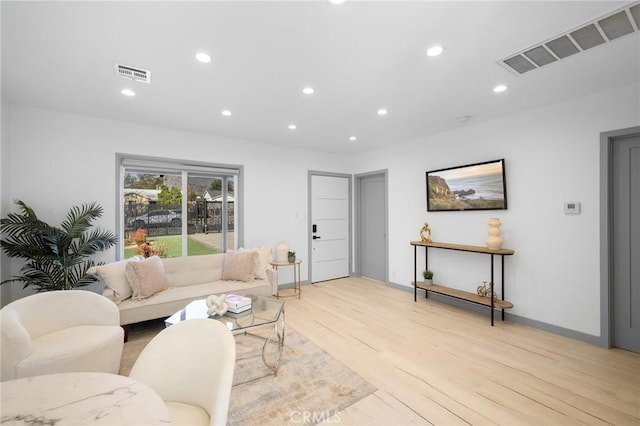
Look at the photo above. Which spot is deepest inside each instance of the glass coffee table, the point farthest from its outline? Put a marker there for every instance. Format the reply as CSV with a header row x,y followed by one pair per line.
x,y
265,312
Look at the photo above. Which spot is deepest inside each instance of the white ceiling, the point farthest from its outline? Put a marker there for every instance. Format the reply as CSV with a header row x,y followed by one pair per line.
x,y
359,56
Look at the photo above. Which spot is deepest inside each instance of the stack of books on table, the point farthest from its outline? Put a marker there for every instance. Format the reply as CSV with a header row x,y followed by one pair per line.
x,y
238,304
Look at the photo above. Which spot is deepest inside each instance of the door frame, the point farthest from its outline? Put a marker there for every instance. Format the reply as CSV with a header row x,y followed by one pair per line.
x,y
358,228
607,139
349,178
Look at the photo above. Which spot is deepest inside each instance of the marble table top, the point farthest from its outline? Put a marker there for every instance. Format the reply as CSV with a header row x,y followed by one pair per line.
x,y
80,399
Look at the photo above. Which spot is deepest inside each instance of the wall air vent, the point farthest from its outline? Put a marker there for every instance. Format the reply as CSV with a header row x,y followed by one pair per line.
x,y
602,30
131,73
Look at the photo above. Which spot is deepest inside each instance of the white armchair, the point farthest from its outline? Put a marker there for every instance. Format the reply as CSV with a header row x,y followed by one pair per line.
x,y
59,332
190,365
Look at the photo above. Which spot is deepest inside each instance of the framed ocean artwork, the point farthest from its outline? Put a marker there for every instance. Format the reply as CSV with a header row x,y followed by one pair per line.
x,y
479,186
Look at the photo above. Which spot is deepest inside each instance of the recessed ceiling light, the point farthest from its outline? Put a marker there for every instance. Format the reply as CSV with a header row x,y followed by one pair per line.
x,y
308,90
382,111
226,113
128,92
500,88
203,57
353,138
337,1
292,127
434,51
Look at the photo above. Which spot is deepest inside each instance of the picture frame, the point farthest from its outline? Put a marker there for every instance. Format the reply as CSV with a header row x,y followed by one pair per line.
x,y
477,186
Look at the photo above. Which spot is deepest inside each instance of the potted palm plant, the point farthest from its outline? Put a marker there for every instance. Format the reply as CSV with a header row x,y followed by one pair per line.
x,y
57,257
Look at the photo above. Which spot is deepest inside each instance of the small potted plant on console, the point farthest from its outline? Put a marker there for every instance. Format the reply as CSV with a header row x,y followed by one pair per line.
x,y
291,255
428,277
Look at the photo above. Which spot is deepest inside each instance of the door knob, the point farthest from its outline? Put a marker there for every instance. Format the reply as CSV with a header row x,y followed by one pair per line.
x,y
315,237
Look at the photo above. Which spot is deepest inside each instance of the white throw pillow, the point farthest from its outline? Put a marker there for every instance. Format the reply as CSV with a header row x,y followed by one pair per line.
x,y
146,277
239,265
262,261
115,277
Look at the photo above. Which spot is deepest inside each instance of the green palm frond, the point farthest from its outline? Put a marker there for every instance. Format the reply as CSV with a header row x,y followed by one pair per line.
x,y
23,229
79,219
27,246
97,240
57,258
32,274
27,211
80,276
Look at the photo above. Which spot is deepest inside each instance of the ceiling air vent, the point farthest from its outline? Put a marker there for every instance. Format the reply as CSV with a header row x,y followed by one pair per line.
x,y
562,47
587,37
137,74
520,64
602,30
616,25
540,56
635,12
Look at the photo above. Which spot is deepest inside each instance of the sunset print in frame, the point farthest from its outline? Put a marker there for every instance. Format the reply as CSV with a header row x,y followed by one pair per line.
x,y
479,186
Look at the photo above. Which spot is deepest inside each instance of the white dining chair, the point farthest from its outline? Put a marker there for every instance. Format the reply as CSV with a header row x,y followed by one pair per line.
x,y
190,365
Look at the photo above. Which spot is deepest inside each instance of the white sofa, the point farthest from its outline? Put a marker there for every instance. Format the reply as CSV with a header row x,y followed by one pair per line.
x,y
187,278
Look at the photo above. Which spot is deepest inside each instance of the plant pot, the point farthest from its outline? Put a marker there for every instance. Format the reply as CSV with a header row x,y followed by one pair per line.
x,y
292,259
428,281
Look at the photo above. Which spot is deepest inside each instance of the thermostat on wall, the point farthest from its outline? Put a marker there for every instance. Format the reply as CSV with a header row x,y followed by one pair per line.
x,y
572,207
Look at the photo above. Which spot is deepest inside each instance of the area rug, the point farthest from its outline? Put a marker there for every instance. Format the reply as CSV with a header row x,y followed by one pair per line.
x,y
311,385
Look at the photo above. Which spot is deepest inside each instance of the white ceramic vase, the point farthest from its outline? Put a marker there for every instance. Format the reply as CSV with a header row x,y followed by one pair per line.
x,y
282,252
494,240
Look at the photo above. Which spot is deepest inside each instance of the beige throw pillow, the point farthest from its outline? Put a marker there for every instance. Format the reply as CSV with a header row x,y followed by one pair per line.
x,y
239,266
146,277
262,261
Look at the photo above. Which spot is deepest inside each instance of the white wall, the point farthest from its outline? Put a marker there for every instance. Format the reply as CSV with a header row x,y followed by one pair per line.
x,y
60,159
4,191
552,156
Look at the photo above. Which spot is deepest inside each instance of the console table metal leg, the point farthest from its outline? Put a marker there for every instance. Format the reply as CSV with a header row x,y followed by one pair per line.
x,y
296,280
502,282
415,274
491,295
426,268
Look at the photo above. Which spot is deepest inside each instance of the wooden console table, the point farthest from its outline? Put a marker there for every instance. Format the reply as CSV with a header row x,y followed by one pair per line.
x,y
455,293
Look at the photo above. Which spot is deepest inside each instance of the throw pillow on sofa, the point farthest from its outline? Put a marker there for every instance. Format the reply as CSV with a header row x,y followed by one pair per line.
x,y
239,265
261,263
114,276
146,277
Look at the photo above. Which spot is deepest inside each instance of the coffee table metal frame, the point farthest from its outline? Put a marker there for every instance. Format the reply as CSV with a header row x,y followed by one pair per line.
x,y
265,311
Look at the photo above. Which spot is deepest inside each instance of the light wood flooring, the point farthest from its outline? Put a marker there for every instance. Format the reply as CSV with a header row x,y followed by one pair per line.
x,y
434,363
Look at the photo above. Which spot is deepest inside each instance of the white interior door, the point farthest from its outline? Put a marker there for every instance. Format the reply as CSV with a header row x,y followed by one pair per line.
x,y
330,227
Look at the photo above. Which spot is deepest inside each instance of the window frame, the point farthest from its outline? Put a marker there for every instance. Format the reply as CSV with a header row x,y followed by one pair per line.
x,y
151,163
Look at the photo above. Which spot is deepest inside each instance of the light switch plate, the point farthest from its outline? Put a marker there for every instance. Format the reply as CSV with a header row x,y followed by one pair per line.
x,y
572,207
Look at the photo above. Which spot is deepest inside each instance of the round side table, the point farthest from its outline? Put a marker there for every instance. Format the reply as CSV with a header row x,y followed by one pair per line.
x,y
289,292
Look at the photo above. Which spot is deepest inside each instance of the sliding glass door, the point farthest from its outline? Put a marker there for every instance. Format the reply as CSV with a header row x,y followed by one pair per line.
x,y
175,208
